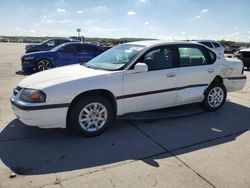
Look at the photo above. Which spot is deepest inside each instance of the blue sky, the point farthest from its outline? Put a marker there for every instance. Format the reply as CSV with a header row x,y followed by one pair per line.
x,y
163,19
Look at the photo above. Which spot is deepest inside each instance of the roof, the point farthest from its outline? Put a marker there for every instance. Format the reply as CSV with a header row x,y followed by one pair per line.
x,y
205,40
245,50
149,43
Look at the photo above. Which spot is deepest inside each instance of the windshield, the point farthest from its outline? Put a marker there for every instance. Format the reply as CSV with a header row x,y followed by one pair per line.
x,y
116,57
45,41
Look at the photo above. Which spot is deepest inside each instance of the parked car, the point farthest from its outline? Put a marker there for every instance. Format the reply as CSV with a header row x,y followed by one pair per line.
x,y
232,49
244,55
46,45
64,54
216,46
127,78
78,38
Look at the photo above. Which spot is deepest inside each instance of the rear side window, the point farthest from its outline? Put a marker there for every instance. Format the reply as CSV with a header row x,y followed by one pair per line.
x,y
208,44
191,56
216,45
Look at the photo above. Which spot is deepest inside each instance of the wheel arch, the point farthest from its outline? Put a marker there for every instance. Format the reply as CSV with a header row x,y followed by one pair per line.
x,y
217,79
100,92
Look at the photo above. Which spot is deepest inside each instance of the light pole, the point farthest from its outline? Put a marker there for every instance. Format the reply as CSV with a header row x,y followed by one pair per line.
x,y
78,30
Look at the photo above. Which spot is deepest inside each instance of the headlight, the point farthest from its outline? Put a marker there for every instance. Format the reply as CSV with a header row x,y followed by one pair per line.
x,y
33,95
28,58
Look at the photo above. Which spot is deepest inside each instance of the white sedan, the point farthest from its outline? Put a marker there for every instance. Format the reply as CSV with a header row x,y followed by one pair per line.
x,y
131,77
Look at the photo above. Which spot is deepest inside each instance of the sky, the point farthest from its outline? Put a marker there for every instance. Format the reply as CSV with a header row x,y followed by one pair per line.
x,y
161,19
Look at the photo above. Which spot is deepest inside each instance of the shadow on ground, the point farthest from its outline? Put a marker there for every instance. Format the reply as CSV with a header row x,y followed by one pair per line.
x,y
20,72
27,150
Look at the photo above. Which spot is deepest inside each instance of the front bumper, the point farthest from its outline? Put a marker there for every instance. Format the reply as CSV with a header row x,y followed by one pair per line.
x,y
35,115
28,66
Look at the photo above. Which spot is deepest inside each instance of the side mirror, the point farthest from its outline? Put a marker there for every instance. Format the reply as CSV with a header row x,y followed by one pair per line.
x,y
141,67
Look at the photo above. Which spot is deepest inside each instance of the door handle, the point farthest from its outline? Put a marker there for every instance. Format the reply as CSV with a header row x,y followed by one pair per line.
x,y
210,70
171,74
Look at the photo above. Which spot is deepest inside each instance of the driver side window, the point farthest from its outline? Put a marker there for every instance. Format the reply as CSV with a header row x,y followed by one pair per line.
x,y
51,43
159,58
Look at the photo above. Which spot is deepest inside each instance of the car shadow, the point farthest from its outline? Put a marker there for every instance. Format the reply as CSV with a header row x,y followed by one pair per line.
x,y
20,72
30,151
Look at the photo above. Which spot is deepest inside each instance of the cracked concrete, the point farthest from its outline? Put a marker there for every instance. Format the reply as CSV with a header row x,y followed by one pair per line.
x,y
203,150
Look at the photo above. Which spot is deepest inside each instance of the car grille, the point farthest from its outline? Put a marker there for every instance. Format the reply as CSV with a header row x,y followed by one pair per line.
x,y
17,90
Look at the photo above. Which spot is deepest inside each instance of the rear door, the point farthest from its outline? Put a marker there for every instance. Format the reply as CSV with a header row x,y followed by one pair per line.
x,y
196,71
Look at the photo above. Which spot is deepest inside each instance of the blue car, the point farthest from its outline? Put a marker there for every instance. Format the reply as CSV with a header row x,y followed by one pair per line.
x,y
64,54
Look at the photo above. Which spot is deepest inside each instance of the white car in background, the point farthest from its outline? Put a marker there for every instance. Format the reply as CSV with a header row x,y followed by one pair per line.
x,y
131,77
216,46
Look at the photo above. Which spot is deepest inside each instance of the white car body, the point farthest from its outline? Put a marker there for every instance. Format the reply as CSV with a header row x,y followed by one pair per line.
x,y
132,91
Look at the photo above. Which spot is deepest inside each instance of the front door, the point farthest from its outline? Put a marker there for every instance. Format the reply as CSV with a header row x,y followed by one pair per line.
x,y
155,88
69,55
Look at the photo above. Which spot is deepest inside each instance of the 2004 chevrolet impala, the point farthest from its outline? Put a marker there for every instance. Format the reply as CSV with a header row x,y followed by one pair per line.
x,y
131,77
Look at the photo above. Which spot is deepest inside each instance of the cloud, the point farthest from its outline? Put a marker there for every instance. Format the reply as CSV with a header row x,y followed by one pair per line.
x,y
19,29
131,13
32,31
79,11
146,23
248,32
142,1
46,19
204,11
233,34
60,10
36,24
101,9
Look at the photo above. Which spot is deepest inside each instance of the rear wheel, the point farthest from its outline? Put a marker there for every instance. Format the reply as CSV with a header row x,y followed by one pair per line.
x,y
215,97
91,115
44,64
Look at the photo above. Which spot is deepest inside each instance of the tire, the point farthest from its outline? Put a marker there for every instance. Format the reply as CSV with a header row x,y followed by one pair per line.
x,y
214,97
43,64
96,113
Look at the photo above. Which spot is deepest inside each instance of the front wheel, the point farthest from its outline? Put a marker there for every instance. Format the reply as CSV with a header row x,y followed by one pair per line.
x,y
214,97
44,64
91,115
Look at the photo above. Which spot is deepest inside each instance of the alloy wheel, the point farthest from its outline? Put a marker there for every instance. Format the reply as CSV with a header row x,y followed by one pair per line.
x,y
93,117
44,65
215,97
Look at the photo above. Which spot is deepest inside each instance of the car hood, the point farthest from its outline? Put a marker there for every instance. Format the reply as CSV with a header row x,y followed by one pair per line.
x,y
59,75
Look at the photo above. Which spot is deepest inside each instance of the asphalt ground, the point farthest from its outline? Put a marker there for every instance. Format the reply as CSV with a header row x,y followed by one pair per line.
x,y
195,150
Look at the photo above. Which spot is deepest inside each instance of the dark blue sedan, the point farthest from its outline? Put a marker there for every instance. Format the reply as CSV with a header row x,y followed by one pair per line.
x,y
64,54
